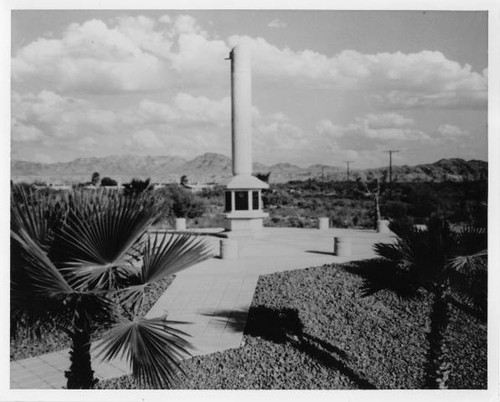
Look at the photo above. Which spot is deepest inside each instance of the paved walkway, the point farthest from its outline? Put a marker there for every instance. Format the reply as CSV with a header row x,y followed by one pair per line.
x,y
213,295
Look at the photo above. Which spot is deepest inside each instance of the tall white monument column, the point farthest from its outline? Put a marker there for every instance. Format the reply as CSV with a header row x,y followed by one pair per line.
x,y
241,110
244,192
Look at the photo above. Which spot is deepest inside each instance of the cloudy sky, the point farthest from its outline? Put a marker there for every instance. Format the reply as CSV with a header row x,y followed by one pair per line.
x,y
328,86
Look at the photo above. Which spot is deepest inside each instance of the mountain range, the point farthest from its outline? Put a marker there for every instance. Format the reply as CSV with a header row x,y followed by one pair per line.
x,y
217,168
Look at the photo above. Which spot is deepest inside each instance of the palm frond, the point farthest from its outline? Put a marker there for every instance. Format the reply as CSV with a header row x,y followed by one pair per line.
x,y
421,252
37,286
38,215
471,240
151,346
388,251
468,263
44,279
97,246
164,255
132,296
168,254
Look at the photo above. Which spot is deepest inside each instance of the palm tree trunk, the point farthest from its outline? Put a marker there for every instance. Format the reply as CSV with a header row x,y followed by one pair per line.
x,y
437,369
80,374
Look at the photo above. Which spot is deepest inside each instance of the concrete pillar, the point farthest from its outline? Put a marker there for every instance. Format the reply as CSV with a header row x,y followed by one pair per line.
x,y
323,223
342,246
228,249
383,226
180,224
241,106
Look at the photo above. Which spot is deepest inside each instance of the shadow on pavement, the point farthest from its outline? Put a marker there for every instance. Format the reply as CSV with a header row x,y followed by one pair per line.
x,y
235,319
320,252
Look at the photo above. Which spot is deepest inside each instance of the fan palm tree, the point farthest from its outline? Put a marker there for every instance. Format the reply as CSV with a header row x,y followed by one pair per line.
x,y
86,260
442,261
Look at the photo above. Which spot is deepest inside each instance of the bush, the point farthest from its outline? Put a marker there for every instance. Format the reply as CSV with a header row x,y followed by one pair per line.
x,y
180,203
136,187
107,181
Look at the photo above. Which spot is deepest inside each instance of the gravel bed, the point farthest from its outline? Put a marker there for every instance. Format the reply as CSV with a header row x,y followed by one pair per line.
x,y
52,339
466,339
312,329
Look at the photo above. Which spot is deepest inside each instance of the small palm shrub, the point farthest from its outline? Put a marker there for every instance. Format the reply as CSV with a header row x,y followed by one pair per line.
x,y
86,259
444,262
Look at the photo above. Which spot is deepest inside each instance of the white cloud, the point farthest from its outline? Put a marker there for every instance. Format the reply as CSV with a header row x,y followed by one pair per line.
x,y
156,112
277,24
87,143
92,58
188,109
202,109
42,158
396,134
200,61
274,138
385,120
144,139
166,19
185,24
423,79
384,127
326,127
60,116
142,54
451,131
372,131
25,133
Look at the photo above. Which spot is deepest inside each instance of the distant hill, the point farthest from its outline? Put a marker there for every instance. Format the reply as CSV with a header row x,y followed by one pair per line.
x,y
212,167
121,168
454,169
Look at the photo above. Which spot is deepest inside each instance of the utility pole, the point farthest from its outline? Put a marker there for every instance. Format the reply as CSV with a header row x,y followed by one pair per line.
x,y
348,162
390,152
323,178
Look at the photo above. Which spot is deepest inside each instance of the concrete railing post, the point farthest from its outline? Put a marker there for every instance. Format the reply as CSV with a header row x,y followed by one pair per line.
x,y
180,224
229,249
383,226
323,223
342,246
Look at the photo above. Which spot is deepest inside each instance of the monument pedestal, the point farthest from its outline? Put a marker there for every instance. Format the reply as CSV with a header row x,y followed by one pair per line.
x,y
242,224
244,215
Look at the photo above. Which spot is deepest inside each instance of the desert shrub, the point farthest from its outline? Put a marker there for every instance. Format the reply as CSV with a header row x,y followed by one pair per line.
x,y
214,197
136,187
180,202
394,209
107,181
295,222
208,221
276,197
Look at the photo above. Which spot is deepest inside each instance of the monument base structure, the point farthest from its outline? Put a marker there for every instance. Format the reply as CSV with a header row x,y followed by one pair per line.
x,y
243,207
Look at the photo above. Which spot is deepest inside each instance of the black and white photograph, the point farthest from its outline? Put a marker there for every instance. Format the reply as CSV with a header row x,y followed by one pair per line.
x,y
256,198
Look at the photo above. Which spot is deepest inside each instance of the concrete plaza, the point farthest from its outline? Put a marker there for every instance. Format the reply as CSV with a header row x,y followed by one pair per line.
x,y
212,294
